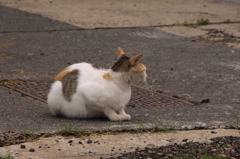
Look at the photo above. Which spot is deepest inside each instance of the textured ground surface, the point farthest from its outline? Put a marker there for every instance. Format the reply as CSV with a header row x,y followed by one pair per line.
x,y
198,63
129,144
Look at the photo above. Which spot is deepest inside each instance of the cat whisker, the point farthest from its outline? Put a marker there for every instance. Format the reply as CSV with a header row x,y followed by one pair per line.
x,y
147,85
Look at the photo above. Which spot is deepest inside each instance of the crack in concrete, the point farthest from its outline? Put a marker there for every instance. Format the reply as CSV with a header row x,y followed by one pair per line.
x,y
97,28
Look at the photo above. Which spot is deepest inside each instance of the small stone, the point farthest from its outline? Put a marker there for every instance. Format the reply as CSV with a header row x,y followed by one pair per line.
x,y
89,141
170,155
23,146
32,150
80,142
205,101
214,150
160,154
150,146
70,141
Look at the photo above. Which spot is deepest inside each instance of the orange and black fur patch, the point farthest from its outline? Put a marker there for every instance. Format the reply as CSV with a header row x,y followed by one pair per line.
x,y
121,65
69,82
61,74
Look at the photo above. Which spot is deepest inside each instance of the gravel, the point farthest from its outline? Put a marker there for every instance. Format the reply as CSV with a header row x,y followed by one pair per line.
x,y
221,147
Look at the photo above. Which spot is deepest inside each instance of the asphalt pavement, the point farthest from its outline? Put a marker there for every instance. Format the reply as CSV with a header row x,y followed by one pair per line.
x,y
33,47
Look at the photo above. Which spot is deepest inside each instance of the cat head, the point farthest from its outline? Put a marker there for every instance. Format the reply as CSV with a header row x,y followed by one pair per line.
x,y
130,66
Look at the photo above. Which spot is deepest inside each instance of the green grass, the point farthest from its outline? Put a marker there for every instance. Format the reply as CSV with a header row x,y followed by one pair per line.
x,y
237,121
185,23
227,21
29,134
159,126
202,153
203,21
8,156
68,130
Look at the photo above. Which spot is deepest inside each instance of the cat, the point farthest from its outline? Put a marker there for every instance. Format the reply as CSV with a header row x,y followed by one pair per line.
x,y
84,91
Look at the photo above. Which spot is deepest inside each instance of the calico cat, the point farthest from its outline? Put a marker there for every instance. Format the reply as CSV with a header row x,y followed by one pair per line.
x,y
83,91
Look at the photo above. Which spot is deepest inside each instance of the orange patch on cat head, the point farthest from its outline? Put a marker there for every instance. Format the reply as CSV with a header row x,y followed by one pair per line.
x,y
133,62
135,59
107,76
61,74
140,68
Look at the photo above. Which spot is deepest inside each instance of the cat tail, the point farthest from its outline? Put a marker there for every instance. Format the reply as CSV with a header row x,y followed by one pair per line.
x,y
55,98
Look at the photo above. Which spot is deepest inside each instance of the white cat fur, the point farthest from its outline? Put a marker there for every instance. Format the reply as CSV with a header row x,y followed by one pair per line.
x,y
95,96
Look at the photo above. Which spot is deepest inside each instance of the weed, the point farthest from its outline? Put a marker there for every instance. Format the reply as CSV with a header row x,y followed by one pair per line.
x,y
130,156
192,148
227,21
29,134
68,130
159,126
196,153
184,24
237,121
111,123
141,127
184,156
8,156
202,21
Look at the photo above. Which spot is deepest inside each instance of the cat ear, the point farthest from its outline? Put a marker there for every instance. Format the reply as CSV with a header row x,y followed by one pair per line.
x,y
120,52
135,59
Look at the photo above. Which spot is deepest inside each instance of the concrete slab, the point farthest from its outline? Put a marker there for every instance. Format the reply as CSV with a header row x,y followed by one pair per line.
x,y
99,145
113,13
228,34
169,16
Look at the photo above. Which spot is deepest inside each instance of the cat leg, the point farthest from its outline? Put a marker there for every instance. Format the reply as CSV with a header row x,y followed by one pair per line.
x,y
112,115
124,115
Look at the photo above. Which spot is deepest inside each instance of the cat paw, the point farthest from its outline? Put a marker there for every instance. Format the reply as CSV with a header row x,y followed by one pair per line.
x,y
120,117
126,117
117,118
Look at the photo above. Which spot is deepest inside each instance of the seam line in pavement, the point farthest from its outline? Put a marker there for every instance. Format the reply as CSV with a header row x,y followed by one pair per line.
x,y
189,24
